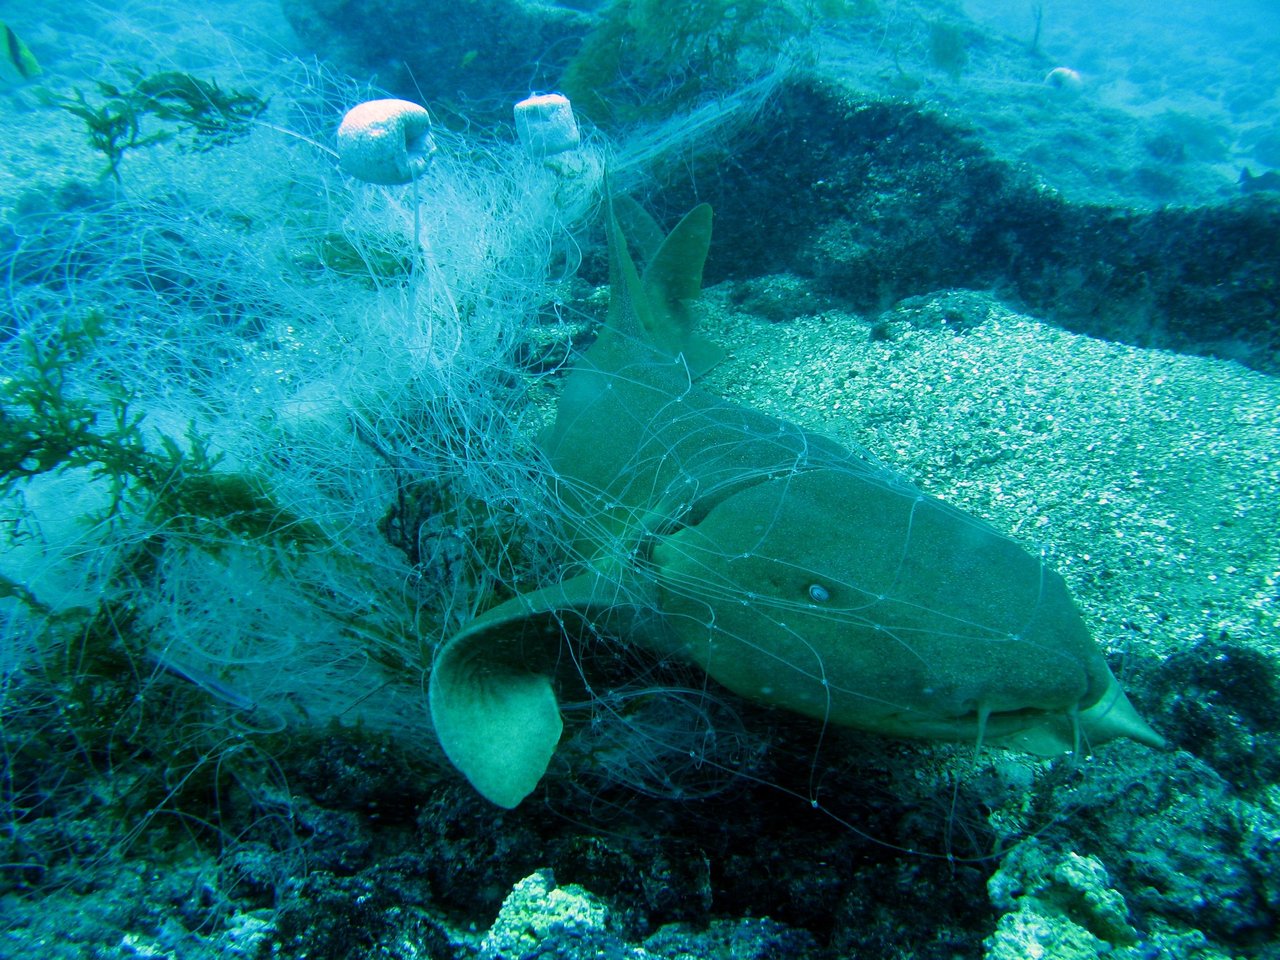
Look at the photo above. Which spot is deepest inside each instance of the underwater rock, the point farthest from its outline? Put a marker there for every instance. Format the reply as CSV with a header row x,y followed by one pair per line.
x,y
1260,846
372,913
540,918
476,49
1066,897
1222,700
1178,842
878,200
1027,933
1251,183
748,938
538,913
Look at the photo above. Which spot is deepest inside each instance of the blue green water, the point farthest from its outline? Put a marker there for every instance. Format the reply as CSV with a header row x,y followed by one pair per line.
x,y
269,437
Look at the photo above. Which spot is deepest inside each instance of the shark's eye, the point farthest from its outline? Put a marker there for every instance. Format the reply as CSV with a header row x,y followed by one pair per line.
x,y
818,593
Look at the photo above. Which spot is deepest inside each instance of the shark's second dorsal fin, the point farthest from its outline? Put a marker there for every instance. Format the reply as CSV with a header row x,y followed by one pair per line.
x,y
653,311
671,280
673,276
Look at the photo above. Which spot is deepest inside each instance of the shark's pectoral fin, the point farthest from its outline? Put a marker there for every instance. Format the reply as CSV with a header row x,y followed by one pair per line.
x,y
498,725
491,697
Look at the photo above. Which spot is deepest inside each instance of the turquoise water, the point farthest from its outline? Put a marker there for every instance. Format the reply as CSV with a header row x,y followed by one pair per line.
x,y
272,436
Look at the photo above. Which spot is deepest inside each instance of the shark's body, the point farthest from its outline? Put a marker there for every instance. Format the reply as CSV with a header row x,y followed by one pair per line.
x,y
794,571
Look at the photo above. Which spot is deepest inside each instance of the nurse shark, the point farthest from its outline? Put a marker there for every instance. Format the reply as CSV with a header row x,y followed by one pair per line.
x,y
794,571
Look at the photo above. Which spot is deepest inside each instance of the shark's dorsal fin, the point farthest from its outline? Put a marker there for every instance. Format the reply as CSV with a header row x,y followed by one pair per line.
x,y
673,275
651,314
672,279
629,309
638,226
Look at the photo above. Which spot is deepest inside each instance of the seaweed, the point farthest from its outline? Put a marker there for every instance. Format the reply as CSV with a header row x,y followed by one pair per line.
x,y
182,103
948,48
46,426
90,685
648,59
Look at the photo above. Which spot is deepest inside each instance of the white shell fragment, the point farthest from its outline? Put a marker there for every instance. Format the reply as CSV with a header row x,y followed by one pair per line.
x,y
545,124
385,141
1064,78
